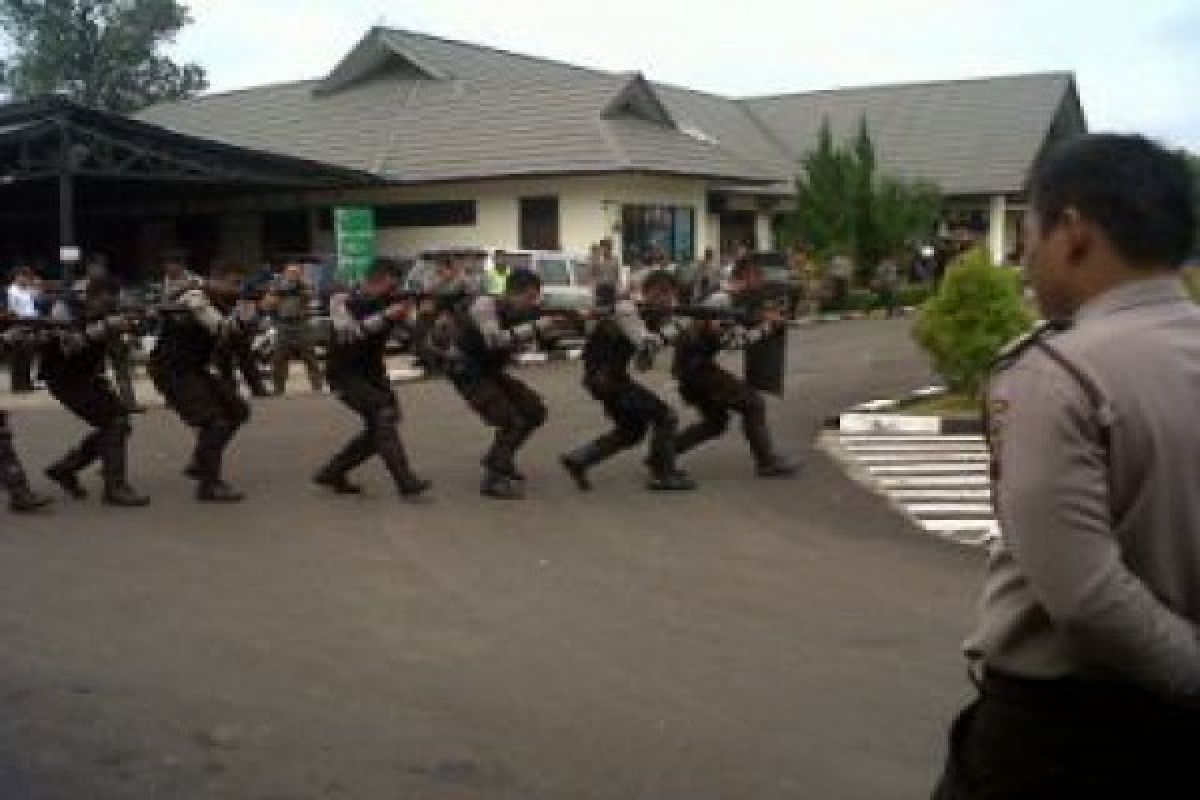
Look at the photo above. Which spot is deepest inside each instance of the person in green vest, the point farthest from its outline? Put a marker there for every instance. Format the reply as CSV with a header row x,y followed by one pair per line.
x,y
496,277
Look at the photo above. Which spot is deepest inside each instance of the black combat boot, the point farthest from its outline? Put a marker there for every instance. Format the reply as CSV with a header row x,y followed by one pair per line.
x,y
218,492
768,463
577,462
23,500
334,474
391,450
68,479
674,481
580,460
337,482
65,472
500,486
666,475
117,491
501,456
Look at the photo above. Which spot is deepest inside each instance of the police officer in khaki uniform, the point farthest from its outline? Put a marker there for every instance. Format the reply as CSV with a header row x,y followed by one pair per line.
x,y
1087,651
290,297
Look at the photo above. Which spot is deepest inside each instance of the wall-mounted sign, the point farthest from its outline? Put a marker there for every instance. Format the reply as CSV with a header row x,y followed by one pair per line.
x,y
354,228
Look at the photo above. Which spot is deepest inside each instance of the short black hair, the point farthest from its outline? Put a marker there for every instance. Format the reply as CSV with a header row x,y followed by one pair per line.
x,y
660,278
383,268
1138,192
744,266
522,280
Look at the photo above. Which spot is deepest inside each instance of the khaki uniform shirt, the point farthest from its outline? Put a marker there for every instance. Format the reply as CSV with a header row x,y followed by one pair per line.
x,y
1096,480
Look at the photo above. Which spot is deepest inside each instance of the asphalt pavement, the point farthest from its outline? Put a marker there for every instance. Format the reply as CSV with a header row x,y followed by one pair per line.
x,y
754,639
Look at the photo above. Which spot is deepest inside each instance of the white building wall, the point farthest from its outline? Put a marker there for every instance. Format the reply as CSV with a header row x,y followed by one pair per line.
x,y
589,210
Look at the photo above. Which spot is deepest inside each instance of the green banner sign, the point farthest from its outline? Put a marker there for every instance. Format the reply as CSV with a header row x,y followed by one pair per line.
x,y
354,228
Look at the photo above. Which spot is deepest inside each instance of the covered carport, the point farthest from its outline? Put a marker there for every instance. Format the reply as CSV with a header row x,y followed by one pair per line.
x,y
76,180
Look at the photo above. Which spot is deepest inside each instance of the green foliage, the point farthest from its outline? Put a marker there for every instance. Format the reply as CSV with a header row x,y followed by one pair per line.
x,y
103,53
1194,161
845,206
1191,279
978,309
912,295
862,300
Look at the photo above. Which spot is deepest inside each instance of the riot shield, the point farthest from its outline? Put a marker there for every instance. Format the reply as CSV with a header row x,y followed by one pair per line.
x,y
766,363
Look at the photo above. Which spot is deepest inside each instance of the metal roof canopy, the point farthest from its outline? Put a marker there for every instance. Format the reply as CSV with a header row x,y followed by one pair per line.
x,y
51,139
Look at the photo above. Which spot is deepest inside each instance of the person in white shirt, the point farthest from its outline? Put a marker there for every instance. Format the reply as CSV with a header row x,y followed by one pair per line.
x,y
22,303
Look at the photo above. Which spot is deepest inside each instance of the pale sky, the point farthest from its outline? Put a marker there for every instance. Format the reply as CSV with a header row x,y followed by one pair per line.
x,y
1137,63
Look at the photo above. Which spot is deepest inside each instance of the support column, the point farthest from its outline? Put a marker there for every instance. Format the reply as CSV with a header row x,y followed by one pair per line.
x,y
998,229
763,235
66,206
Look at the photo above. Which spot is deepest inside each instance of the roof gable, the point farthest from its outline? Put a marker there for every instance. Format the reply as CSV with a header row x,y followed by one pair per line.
x,y
377,54
968,136
638,100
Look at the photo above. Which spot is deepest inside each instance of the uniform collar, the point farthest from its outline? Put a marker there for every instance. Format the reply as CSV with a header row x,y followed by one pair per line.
x,y
1139,293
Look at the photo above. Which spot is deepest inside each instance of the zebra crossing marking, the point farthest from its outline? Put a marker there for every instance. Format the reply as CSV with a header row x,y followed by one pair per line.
x,y
940,482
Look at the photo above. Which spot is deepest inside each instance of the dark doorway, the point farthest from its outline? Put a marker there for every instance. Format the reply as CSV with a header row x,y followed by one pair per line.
x,y
199,237
286,232
737,230
538,223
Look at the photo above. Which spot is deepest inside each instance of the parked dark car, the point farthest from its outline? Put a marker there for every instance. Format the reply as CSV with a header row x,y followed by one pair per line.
x,y
781,281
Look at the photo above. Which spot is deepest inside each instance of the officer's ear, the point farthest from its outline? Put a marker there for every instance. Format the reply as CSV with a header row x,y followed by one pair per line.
x,y
1078,236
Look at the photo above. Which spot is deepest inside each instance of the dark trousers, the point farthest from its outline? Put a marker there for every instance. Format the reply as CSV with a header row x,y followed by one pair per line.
x,y
295,341
237,354
20,367
210,406
509,406
380,436
716,394
634,410
120,356
1055,739
93,400
12,476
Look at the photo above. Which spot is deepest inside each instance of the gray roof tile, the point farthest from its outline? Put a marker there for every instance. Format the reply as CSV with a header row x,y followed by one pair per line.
x,y
489,113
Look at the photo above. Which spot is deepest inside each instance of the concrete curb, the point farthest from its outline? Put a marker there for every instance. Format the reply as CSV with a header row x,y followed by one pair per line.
x,y
877,416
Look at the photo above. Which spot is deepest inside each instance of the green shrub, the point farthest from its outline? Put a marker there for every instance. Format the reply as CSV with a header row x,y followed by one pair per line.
x,y
912,294
977,310
861,300
1191,279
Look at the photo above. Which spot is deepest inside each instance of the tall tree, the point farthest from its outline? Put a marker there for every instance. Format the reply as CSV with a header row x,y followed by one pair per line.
x,y
1194,160
846,206
103,53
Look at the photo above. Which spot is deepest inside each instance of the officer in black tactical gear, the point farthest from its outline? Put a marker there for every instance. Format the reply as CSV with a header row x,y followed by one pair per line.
x,y
620,336
490,331
363,322
236,352
715,392
21,499
72,365
446,296
181,367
